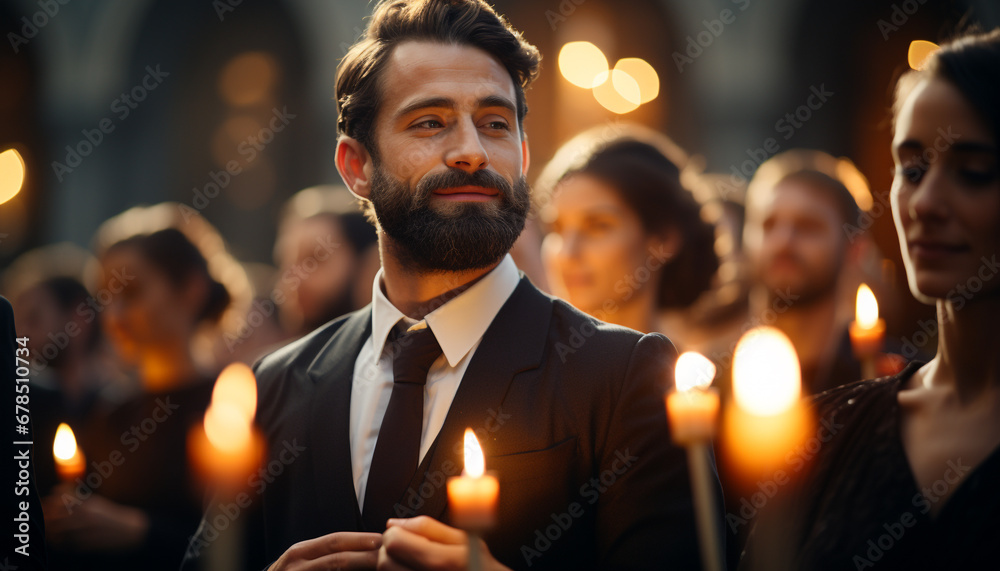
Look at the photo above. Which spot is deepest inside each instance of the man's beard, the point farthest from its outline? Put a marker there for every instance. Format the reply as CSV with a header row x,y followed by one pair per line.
x,y
459,236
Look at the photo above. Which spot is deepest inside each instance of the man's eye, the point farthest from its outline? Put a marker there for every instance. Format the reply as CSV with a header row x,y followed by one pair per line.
x,y
498,125
430,124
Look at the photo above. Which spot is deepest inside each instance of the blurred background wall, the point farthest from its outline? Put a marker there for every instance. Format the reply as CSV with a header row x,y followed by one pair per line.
x,y
227,105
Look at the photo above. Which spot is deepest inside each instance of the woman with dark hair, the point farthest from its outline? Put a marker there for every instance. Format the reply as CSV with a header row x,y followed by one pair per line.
x,y
134,508
627,239
908,480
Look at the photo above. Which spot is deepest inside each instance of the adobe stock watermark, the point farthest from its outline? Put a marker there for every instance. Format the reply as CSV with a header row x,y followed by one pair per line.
x,y
795,461
590,492
89,311
922,502
226,512
565,9
627,286
781,301
121,107
415,498
292,278
959,296
697,44
224,7
881,200
899,15
31,26
131,439
249,148
787,125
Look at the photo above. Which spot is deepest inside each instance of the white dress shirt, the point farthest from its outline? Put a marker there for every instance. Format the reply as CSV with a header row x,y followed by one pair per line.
x,y
458,325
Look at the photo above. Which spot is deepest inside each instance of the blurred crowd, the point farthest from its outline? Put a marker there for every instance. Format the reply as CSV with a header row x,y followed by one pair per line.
x,y
127,337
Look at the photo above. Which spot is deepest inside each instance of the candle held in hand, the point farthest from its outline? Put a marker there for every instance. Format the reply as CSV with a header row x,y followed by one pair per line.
x,y
472,497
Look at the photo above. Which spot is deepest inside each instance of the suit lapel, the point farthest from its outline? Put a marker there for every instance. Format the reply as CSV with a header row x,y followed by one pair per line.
x,y
513,343
330,415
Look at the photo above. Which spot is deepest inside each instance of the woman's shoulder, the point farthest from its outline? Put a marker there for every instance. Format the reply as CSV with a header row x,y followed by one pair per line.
x,y
862,395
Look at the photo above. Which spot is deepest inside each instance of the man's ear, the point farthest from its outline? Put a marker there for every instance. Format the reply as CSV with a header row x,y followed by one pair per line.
x,y
354,165
525,156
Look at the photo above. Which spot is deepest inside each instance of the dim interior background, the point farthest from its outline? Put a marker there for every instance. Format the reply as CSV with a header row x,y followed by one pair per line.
x,y
115,103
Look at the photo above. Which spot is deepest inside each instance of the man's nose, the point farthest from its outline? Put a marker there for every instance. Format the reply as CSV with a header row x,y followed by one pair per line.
x,y
466,152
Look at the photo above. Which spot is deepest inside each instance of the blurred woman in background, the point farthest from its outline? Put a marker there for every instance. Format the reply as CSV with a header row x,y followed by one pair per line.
x,y
626,238
135,507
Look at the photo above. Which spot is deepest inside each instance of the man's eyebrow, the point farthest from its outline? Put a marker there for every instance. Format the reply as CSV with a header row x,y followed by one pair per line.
x,y
448,103
498,101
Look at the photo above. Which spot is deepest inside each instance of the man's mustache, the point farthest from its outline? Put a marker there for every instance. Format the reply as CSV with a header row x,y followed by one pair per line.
x,y
457,177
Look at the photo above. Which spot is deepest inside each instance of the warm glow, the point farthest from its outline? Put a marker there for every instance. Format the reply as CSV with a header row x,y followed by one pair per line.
x,y
475,464
866,310
644,75
226,427
248,79
581,62
918,53
237,386
64,446
617,91
693,370
766,377
11,174
856,183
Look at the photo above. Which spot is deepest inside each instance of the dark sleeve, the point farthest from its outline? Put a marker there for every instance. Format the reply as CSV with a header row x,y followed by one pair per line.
x,y
26,534
646,516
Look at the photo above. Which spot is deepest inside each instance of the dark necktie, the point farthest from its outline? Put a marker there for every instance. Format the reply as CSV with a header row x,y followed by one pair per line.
x,y
397,449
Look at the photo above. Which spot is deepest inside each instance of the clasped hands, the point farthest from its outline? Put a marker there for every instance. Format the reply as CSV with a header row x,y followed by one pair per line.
x,y
420,543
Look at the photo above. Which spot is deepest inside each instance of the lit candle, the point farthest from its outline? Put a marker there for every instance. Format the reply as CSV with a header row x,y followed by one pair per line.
x,y
766,420
472,498
692,409
867,331
225,448
70,463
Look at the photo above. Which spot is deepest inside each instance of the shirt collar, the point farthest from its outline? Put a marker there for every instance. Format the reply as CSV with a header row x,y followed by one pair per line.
x,y
458,324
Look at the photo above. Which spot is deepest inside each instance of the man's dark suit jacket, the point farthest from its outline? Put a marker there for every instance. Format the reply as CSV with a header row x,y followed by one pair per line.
x,y
570,414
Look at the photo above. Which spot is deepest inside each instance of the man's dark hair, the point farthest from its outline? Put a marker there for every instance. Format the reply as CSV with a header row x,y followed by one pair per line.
x,y
847,206
465,22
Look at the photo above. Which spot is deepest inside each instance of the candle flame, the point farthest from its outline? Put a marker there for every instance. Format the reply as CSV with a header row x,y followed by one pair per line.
x,y
226,427
766,377
693,370
475,464
866,309
236,384
230,415
64,446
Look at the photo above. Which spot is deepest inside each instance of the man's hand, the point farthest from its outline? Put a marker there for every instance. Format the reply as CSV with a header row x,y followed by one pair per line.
x,y
340,550
423,543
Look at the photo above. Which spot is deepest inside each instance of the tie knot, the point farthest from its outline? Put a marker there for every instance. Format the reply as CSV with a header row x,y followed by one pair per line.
x,y
418,349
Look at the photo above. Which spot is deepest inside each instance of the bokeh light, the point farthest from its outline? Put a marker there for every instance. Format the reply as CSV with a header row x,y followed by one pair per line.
x,y
617,91
581,62
918,53
12,172
643,73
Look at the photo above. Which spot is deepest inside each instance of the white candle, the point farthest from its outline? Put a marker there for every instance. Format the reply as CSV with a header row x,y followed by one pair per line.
x,y
693,409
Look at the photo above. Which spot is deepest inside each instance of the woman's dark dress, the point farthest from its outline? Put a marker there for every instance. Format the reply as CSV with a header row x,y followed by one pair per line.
x,y
860,507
